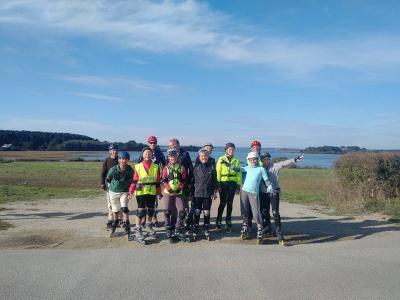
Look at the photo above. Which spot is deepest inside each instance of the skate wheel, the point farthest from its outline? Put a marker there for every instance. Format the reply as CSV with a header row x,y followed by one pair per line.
x,y
243,236
281,243
259,241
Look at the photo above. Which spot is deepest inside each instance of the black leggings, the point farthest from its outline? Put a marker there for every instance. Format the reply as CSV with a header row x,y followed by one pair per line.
x,y
228,190
268,200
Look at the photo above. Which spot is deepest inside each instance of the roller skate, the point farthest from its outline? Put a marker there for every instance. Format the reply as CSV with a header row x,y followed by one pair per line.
x,y
267,232
127,227
170,234
155,221
206,233
279,237
108,225
114,225
195,232
137,235
259,236
228,226
150,230
182,236
218,224
244,233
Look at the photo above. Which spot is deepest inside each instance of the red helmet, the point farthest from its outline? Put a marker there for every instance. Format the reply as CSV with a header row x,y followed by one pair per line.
x,y
255,143
152,139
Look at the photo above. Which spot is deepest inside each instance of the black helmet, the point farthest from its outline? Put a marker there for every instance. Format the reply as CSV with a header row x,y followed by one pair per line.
x,y
113,146
229,145
146,148
266,154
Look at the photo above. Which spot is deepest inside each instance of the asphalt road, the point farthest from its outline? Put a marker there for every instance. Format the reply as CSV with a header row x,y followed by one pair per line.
x,y
366,268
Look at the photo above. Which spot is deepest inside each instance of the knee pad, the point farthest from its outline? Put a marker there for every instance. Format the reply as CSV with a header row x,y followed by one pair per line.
x,y
265,212
141,213
197,212
150,212
275,213
206,213
125,210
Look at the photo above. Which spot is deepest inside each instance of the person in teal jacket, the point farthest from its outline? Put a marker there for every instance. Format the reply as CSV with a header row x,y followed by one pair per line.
x,y
249,196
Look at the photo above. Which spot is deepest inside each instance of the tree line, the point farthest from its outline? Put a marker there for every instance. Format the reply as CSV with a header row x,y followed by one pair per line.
x,y
333,150
55,141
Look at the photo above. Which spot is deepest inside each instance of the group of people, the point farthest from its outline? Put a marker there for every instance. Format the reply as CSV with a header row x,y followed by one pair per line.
x,y
187,190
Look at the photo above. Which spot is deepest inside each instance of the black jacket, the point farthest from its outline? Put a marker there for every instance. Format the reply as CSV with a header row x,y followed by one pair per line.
x,y
210,159
204,180
185,160
158,158
107,165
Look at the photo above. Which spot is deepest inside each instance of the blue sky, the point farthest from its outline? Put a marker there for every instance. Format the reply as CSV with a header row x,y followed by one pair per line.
x,y
292,73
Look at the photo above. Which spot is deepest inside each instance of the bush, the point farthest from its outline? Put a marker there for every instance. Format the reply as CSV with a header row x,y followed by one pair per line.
x,y
370,175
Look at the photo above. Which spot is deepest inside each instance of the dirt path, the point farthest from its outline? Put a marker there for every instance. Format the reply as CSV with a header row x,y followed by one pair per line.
x,y
80,223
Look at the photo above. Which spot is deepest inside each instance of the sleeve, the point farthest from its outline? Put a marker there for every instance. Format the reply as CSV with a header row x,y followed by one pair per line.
x,y
158,181
189,166
103,173
282,164
110,174
219,170
163,160
184,178
214,179
197,161
133,183
264,174
238,174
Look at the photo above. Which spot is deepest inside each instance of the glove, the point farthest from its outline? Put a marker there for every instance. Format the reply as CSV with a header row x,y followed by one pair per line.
x,y
269,188
236,169
300,157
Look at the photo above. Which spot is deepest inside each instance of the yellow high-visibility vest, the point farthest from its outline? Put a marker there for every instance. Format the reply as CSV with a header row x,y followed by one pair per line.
x,y
147,180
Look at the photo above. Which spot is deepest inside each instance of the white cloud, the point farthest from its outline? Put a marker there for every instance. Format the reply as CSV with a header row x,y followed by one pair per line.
x,y
99,97
190,26
118,83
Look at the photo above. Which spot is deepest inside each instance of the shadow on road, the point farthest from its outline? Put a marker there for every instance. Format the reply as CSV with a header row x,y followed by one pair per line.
x,y
310,230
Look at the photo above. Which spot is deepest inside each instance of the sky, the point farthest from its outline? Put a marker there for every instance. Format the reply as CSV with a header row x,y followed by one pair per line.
x,y
289,73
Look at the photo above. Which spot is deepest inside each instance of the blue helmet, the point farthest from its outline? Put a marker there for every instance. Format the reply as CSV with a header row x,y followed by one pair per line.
x,y
124,154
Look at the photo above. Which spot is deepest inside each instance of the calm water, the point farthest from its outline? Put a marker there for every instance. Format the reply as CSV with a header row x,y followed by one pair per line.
x,y
310,160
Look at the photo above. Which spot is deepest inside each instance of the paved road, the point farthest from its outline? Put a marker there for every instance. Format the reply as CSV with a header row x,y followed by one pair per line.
x,y
328,257
367,268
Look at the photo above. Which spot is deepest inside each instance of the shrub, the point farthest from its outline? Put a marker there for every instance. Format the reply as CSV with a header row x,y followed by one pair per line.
x,y
370,175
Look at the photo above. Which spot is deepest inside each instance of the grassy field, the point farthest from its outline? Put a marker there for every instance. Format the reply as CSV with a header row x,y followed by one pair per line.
x,y
46,180
21,181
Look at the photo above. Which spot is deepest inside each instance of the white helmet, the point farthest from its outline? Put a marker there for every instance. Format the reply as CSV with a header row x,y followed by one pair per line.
x,y
252,155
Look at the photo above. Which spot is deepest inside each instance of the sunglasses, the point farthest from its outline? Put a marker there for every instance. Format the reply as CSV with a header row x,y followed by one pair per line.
x,y
152,143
